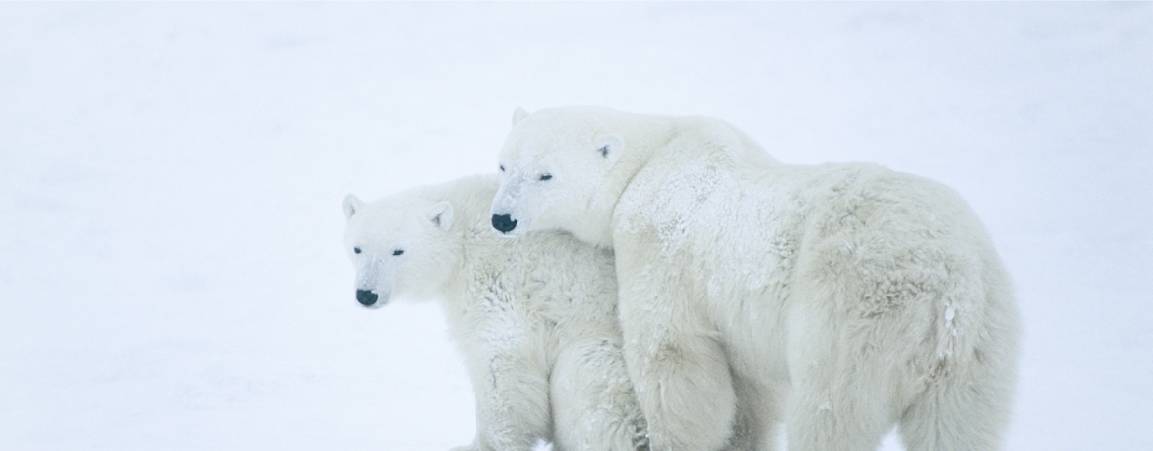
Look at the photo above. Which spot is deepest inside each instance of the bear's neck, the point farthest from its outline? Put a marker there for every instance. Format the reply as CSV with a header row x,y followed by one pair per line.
x,y
646,135
470,198
653,138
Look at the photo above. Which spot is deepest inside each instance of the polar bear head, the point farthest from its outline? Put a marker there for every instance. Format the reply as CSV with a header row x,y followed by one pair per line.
x,y
565,168
400,246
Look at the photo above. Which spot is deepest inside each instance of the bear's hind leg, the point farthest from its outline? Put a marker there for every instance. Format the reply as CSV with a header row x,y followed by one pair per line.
x,y
820,419
755,425
840,398
967,410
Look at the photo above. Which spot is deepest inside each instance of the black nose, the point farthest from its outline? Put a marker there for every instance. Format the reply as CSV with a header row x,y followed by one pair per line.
x,y
365,297
504,223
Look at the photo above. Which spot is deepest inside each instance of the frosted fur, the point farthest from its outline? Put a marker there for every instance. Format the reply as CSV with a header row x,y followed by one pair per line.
x,y
535,318
838,299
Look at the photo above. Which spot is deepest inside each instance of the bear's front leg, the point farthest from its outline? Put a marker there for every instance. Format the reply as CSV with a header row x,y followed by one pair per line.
x,y
594,405
511,388
679,369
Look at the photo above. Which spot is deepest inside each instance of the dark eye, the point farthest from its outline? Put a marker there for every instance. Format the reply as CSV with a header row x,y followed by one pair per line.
x,y
544,177
502,168
356,250
398,252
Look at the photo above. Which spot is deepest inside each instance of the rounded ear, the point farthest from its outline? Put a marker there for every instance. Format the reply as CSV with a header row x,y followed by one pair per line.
x,y
518,115
351,205
610,147
440,215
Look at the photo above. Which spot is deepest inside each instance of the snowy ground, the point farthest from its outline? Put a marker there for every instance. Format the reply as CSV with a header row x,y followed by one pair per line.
x,y
171,276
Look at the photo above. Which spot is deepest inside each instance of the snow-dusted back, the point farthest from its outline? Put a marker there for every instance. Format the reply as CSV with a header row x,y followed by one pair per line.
x,y
754,293
171,270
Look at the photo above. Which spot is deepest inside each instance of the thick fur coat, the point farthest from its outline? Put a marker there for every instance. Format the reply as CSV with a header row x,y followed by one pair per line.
x,y
837,299
535,318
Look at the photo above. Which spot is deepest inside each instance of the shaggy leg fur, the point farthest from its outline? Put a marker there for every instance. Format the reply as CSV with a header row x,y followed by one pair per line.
x,y
678,366
754,427
836,407
683,384
841,396
687,397
954,417
512,405
594,406
968,410
823,417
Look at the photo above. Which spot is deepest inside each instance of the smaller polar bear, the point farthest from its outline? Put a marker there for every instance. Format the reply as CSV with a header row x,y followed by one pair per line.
x,y
535,318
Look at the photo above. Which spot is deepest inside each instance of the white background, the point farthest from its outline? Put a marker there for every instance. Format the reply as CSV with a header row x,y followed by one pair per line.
x,y
171,273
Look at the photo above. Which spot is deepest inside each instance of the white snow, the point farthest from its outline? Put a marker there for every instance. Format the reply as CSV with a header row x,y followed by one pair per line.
x,y
171,274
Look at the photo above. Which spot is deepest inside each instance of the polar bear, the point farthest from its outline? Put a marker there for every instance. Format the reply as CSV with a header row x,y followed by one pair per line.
x,y
839,299
535,318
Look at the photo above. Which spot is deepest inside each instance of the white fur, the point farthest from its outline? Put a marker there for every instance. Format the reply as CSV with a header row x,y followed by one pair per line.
x,y
840,299
535,318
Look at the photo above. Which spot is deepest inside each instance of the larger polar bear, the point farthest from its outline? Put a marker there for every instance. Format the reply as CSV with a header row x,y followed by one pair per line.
x,y
536,318
840,299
